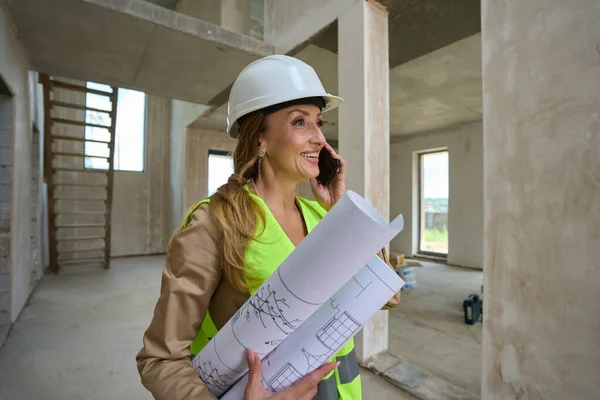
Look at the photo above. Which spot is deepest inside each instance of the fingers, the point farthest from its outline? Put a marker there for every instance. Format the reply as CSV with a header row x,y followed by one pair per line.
x,y
307,386
254,371
337,157
314,183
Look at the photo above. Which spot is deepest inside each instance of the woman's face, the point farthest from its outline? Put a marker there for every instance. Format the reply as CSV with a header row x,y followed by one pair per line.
x,y
292,142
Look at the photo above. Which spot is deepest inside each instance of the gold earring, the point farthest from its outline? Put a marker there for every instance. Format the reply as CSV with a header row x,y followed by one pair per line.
x,y
261,154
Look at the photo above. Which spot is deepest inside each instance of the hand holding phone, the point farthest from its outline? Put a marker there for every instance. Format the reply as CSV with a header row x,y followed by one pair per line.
x,y
328,167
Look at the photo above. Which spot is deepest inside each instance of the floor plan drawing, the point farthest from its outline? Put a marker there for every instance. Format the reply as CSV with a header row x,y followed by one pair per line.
x,y
305,282
322,335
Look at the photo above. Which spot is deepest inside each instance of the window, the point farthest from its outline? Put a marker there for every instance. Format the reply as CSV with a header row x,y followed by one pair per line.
x,y
220,168
433,203
130,129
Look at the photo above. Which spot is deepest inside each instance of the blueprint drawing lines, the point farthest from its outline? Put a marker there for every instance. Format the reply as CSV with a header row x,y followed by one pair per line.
x,y
338,331
211,376
267,305
313,361
284,378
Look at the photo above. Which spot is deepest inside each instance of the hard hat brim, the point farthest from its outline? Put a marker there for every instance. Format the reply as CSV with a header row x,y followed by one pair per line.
x,y
331,102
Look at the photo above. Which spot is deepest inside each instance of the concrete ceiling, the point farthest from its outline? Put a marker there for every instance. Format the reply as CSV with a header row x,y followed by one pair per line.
x,y
133,44
439,89
435,61
418,27
435,52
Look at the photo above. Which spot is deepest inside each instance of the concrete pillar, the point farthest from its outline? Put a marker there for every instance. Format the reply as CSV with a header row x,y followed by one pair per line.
x,y
541,96
364,129
233,15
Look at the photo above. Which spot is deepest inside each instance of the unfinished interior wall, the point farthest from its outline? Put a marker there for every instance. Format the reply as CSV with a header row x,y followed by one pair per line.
x,y
198,143
140,215
14,68
465,208
541,74
182,114
6,139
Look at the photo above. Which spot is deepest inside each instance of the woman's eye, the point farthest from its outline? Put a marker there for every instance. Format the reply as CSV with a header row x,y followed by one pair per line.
x,y
299,122
320,124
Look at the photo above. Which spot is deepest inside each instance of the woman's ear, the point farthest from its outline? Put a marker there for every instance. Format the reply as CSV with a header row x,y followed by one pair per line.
x,y
262,142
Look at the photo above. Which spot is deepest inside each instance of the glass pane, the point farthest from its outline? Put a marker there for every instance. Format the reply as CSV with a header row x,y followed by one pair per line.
x,y
130,129
434,203
220,168
131,124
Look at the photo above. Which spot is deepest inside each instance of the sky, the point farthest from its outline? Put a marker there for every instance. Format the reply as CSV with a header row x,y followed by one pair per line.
x,y
435,173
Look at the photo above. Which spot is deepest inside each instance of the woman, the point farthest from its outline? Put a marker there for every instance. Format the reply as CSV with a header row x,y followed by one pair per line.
x,y
231,243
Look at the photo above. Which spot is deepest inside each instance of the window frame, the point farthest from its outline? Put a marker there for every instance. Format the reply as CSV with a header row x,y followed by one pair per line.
x,y
421,199
215,152
144,136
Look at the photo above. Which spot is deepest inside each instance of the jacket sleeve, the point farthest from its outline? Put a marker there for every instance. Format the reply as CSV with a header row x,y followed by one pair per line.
x,y
190,276
394,301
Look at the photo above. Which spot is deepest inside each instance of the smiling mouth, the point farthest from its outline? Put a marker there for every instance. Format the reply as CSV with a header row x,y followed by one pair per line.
x,y
310,155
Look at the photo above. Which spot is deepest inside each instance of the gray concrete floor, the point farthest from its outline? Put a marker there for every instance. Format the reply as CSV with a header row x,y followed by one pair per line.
x,y
78,336
428,328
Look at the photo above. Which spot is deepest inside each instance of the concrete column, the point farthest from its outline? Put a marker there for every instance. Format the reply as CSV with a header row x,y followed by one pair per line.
x,y
364,129
541,96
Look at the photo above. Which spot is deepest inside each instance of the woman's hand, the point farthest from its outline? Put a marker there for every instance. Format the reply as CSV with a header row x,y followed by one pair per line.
x,y
327,196
304,389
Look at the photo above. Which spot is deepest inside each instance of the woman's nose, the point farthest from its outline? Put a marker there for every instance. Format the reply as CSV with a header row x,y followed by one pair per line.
x,y
318,136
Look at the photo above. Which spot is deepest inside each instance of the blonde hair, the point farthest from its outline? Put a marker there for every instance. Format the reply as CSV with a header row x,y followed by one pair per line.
x,y
232,207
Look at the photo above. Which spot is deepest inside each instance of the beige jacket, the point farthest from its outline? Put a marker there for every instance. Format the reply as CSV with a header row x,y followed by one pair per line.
x,y
192,284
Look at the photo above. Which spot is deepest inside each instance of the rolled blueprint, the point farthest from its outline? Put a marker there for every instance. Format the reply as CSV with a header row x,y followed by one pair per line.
x,y
323,334
340,245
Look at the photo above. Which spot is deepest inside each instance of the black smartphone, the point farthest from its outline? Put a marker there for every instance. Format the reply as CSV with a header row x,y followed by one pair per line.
x,y
328,167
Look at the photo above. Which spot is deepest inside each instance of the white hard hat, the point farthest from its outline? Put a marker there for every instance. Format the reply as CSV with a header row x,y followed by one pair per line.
x,y
274,80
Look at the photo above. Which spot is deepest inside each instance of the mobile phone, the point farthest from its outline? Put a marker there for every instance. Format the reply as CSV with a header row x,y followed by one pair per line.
x,y
328,167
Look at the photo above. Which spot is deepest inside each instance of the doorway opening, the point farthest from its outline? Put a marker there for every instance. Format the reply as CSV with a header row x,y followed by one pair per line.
x,y
433,203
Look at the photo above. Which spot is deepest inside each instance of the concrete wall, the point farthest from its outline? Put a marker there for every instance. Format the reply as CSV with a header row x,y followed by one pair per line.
x,y
465,208
140,215
182,114
14,67
140,206
541,80
6,139
288,23
198,143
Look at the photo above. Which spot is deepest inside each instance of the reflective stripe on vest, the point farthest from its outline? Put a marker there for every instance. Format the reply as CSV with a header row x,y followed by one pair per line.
x,y
263,257
327,389
348,369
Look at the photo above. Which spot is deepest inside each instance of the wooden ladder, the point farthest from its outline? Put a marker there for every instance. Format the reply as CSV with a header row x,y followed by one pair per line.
x,y
79,197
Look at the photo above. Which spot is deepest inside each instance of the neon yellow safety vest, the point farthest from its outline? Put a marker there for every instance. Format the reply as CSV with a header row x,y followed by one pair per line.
x,y
263,256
